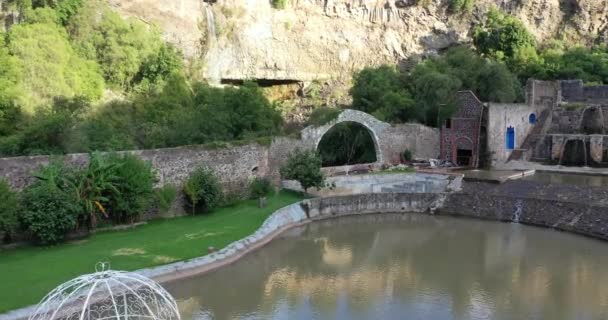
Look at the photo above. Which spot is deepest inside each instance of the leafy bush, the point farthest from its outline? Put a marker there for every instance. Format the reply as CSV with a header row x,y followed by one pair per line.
x,y
347,143
165,196
9,209
459,6
304,167
407,155
279,4
383,92
323,115
203,190
66,74
49,213
502,35
50,208
259,187
133,192
121,47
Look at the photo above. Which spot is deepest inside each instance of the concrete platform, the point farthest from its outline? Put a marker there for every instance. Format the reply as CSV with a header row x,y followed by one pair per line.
x,y
494,176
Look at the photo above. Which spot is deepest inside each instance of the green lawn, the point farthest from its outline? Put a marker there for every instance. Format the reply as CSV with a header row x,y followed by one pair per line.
x,y
27,274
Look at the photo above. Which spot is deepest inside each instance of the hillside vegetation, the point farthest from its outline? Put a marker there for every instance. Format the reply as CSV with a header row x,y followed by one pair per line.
x,y
77,77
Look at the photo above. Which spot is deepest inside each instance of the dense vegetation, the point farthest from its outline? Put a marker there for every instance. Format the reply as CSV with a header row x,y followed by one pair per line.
x,y
505,56
427,93
76,77
113,188
345,144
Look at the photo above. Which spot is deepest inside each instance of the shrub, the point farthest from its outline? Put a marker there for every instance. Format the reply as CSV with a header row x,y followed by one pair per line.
x,y
66,74
9,208
49,214
407,155
203,190
279,4
50,209
259,187
502,35
383,92
304,167
165,196
134,187
323,115
460,6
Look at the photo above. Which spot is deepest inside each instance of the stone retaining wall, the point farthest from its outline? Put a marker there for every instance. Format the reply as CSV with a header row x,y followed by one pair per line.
x,y
295,215
581,218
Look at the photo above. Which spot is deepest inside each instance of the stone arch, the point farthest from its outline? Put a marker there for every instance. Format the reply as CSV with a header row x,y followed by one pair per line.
x,y
312,135
462,144
592,121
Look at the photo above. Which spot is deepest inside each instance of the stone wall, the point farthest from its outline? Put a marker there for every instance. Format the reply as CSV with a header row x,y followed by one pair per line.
x,y
423,141
542,92
500,117
582,218
234,166
576,91
237,165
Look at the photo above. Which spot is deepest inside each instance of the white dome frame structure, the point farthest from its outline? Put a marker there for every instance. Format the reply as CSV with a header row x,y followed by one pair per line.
x,y
108,295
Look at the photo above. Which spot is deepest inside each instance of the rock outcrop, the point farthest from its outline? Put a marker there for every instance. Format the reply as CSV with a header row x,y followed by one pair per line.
x,y
233,40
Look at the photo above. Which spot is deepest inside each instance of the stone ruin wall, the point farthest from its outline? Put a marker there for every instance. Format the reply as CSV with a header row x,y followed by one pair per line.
x,y
576,91
236,166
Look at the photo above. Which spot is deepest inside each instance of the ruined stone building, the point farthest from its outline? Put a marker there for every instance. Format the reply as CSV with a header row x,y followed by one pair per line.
x,y
460,133
561,122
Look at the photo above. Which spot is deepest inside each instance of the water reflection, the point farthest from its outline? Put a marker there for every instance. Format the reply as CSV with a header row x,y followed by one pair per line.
x,y
567,178
408,266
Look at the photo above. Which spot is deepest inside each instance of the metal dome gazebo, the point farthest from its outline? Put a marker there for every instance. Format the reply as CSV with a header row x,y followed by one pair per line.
x,y
107,295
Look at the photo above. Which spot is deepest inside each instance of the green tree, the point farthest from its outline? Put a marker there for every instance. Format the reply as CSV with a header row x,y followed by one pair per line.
x,y
49,130
459,6
120,46
347,143
10,74
50,209
50,66
304,167
133,191
9,210
203,190
383,92
502,35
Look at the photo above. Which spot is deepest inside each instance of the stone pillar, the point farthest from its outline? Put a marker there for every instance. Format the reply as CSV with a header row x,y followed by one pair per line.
x,y
558,146
597,148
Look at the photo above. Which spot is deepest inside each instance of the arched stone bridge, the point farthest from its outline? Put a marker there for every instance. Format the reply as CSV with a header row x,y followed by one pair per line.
x,y
389,140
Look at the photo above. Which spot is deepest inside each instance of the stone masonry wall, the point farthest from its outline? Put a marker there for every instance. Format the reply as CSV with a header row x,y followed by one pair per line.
x,y
502,116
586,219
234,166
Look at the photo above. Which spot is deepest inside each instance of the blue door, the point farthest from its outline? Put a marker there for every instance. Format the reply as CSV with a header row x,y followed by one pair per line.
x,y
532,118
510,138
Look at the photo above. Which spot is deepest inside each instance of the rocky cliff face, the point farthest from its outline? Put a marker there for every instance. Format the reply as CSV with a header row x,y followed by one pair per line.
x,y
322,39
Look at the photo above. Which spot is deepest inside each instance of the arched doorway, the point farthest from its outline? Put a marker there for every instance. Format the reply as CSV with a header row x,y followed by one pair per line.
x,y
592,121
347,143
463,152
